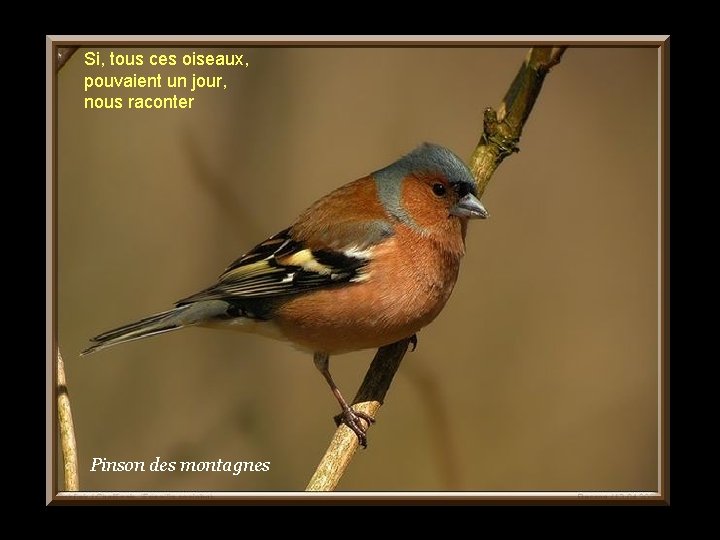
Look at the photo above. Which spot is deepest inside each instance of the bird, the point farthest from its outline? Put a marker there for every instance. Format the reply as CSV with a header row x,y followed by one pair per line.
x,y
369,264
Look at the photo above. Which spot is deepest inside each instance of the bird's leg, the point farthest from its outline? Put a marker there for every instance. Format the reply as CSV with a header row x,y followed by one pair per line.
x,y
350,417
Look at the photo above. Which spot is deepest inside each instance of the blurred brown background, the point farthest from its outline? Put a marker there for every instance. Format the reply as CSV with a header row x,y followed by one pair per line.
x,y
540,374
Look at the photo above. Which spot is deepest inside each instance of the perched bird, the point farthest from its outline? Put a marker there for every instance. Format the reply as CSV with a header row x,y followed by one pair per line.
x,y
367,265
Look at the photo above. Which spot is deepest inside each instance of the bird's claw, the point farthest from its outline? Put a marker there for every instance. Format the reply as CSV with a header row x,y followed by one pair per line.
x,y
413,342
351,419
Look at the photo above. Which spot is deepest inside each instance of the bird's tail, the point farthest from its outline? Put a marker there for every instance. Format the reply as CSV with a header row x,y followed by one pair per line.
x,y
167,321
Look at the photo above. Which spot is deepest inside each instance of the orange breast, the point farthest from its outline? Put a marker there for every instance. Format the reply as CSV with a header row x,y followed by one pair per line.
x,y
409,282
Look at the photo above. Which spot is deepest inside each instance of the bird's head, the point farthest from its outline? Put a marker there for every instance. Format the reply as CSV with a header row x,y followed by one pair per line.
x,y
429,189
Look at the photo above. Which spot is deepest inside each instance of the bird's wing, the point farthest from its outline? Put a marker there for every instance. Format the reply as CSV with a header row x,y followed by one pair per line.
x,y
282,265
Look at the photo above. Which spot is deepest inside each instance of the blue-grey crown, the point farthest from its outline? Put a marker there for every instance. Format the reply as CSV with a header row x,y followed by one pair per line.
x,y
428,158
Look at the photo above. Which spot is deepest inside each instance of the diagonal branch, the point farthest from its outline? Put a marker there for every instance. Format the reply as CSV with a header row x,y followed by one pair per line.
x,y
499,139
369,398
502,128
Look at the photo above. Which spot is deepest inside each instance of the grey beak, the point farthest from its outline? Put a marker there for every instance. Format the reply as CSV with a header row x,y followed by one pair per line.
x,y
469,207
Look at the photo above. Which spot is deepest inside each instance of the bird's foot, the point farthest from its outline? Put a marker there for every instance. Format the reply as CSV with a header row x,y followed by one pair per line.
x,y
413,342
351,419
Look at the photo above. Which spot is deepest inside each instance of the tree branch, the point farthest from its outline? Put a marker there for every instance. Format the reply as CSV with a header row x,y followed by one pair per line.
x,y
369,398
499,139
501,134
502,128
65,420
67,430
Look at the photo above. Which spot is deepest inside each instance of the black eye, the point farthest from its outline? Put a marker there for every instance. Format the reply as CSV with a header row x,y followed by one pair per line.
x,y
439,189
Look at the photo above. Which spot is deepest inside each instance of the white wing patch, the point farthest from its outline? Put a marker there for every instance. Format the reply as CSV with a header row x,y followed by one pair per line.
x,y
359,253
363,254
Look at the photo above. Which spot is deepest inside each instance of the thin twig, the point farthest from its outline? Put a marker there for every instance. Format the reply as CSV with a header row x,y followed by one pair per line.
x,y
501,134
67,430
65,420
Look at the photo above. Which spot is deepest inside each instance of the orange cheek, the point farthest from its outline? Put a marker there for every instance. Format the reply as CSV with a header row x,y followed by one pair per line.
x,y
426,208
